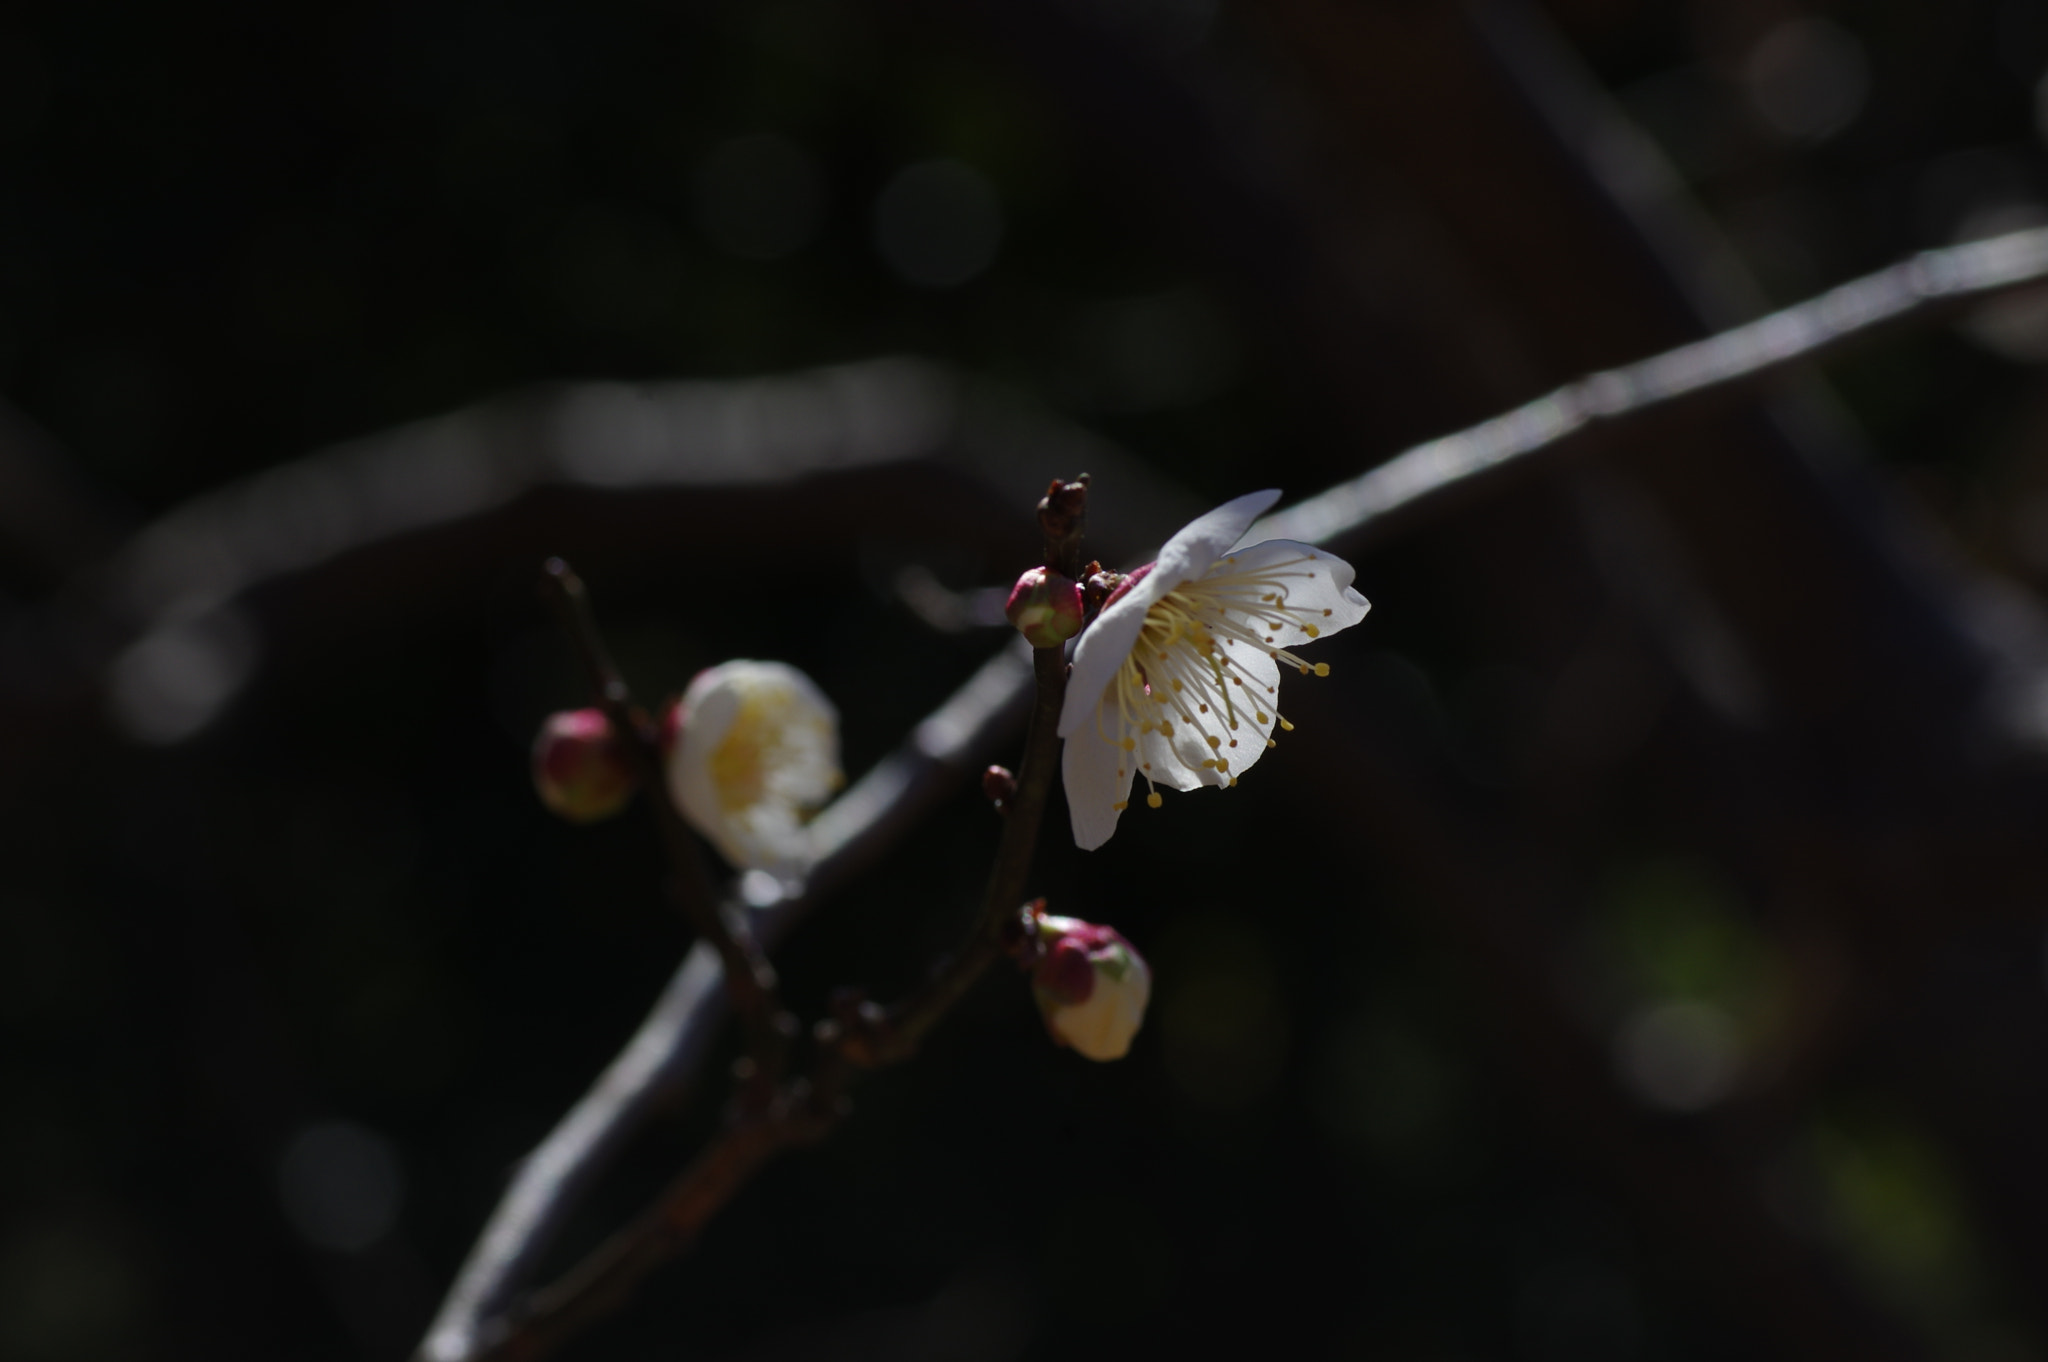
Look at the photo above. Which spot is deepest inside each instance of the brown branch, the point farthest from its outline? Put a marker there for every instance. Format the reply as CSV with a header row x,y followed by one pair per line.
x,y
658,1064
601,1282
672,1043
805,1110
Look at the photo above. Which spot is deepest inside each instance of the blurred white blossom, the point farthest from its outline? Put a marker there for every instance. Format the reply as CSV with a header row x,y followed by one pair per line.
x,y
756,751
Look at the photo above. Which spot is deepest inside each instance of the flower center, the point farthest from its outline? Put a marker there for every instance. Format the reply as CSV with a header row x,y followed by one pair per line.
x,y
1181,668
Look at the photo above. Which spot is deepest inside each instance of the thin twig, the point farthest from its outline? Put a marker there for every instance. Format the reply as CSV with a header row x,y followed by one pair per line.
x,y
748,976
1062,516
906,1024
872,816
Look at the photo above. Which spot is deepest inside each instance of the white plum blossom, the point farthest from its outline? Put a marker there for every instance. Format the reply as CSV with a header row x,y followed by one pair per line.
x,y
1177,680
757,752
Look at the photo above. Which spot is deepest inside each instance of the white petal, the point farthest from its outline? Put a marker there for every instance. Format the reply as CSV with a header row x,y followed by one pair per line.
x,y
1161,760
1317,582
1089,769
1202,541
1100,654
1256,705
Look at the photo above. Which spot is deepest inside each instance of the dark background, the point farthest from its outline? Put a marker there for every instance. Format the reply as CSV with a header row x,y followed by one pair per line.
x,y
1637,953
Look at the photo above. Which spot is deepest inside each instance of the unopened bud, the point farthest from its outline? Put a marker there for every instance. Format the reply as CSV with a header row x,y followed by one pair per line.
x,y
1045,607
1097,585
1091,986
579,767
998,785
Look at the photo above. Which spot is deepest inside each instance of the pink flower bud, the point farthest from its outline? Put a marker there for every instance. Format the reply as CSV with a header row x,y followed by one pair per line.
x,y
1091,986
1045,607
580,768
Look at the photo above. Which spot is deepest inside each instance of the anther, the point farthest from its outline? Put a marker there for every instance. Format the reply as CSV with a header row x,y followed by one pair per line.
x,y
1128,744
1271,743
1153,801
1286,727
1311,631
1215,741
1121,805
1322,669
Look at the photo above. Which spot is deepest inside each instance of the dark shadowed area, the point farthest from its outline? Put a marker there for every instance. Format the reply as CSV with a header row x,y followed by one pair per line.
x,y
1636,951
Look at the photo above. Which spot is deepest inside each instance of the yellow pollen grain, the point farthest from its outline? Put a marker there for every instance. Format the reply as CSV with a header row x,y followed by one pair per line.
x,y
1286,727
1222,765
1271,743
1260,717
1153,801
1208,766
1215,741
1322,669
1233,783
1311,631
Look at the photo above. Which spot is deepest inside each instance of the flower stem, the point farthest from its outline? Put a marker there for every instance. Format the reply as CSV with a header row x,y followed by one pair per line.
x,y
749,978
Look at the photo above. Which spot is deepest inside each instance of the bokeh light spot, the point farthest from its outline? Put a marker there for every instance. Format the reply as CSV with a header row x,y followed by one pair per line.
x,y
340,1185
938,223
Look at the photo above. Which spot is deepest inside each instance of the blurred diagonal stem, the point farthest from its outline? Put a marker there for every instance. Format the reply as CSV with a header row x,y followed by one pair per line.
x,y
749,978
657,1066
